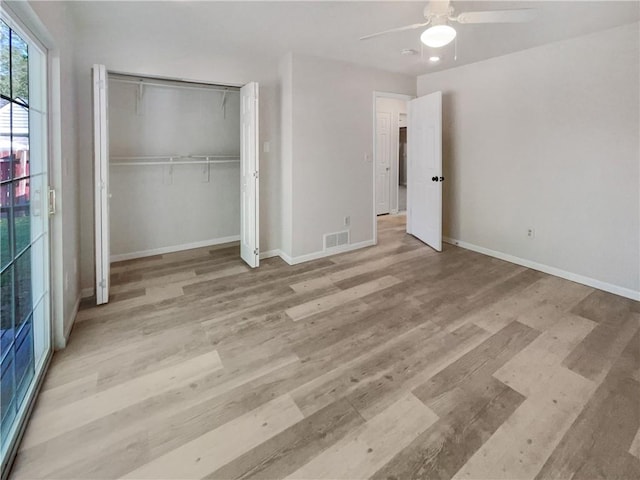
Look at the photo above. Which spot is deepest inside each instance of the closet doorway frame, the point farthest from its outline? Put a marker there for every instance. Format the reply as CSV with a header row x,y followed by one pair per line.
x,y
249,167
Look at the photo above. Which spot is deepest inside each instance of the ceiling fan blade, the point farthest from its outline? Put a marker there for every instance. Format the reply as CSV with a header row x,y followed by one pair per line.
x,y
398,29
498,16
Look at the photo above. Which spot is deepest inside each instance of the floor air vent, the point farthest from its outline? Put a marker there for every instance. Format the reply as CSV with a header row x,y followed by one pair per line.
x,y
338,239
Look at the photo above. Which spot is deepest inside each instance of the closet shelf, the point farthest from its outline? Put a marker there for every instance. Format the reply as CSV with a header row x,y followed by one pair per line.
x,y
172,160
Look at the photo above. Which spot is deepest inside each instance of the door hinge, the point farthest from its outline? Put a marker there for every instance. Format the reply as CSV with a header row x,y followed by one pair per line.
x,y
52,201
256,251
103,283
256,174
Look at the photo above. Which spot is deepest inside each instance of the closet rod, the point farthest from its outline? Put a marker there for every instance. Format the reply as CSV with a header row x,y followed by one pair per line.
x,y
181,162
160,157
169,160
169,85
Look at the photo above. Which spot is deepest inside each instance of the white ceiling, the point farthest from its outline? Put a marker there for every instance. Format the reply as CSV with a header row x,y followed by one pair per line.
x,y
332,29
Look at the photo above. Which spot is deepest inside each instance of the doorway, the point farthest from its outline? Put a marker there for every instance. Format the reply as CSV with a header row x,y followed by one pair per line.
x,y
407,166
391,118
25,330
176,167
402,163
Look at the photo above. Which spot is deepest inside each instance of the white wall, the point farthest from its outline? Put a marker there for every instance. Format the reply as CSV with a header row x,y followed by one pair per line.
x,y
332,149
395,107
201,204
143,51
548,138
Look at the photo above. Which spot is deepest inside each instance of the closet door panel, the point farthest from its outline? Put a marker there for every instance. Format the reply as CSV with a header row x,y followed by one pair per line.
x,y
101,182
249,175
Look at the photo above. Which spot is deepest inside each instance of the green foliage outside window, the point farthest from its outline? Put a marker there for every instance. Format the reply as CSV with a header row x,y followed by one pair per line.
x,y
14,54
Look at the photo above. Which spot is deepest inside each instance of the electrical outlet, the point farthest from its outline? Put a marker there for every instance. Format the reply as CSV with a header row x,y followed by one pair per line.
x,y
531,233
347,220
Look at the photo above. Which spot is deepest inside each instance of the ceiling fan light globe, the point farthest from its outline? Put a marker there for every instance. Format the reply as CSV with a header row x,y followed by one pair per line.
x,y
438,36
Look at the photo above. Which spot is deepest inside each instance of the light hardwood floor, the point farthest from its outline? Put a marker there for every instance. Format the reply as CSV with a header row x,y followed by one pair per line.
x,y
392,362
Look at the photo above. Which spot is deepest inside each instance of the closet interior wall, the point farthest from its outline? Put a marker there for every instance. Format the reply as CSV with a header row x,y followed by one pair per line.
x,y
158,208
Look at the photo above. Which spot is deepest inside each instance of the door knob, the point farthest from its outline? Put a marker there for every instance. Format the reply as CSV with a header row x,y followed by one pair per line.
x,y
434,179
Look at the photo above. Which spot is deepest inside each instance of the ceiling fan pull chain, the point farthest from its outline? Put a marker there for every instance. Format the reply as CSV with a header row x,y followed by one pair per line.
x,y
455,49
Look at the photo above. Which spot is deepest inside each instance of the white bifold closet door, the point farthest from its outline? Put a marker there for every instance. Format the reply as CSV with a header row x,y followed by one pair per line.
x,y
249,175
101,182
424,169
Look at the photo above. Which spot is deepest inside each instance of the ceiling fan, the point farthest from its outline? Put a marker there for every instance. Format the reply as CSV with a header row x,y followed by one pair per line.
x,y
440,13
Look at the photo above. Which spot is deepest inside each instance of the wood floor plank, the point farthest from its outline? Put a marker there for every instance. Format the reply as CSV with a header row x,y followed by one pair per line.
x,y
337,299
201,456
294,447
78,413
369,447
594,356
54,397
144,431
376,392
529,370
522,444
444,448
597,444
477,364
380,264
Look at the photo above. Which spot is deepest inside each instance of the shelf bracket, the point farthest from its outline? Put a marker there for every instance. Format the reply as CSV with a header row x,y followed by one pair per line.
x,y
223,104
139,98
167,173
206,171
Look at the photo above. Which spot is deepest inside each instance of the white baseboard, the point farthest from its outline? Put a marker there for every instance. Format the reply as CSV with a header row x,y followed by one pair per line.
x,y
326,253
87,292
270,254
286,258
574,277
174,248
72,319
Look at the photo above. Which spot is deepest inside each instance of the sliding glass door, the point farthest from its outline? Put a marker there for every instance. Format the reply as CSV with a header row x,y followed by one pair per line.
x,y
25,341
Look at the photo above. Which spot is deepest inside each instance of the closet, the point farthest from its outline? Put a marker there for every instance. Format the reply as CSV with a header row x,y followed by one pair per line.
x,y
176,168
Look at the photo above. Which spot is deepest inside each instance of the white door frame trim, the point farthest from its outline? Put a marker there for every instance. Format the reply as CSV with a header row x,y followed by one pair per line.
x,y
376,95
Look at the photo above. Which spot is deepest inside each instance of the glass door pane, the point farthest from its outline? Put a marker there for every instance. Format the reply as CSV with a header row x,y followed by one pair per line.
x,y
24,228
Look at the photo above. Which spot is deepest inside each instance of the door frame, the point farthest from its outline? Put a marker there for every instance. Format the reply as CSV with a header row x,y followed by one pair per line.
x,y
110,71
376,95
21,17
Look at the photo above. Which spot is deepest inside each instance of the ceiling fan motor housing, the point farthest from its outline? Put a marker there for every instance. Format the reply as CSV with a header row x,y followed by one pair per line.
x,y
438,12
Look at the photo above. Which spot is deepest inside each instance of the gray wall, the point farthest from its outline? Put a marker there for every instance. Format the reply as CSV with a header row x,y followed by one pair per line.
x,y
332,108
548,138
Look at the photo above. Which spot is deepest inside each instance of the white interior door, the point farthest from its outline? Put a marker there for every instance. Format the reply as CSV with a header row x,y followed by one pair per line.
x,y
424,175
249,173
101,185
383,161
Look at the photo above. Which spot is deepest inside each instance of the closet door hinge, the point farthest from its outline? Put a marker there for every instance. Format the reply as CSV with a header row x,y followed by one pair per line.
x,y
256,174
103,283
256,251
